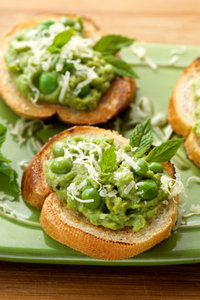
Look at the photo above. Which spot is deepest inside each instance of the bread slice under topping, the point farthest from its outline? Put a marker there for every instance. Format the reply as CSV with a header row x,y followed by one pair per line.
x,y
71,228
181,113
114,100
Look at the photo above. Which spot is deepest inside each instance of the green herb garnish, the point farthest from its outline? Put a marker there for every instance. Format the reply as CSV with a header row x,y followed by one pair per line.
x,y
4,163
164,151
120,67
142,138
108,160
111,44
60,40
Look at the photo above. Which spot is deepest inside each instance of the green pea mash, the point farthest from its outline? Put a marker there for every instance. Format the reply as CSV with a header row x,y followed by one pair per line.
x,y
74,74
74,172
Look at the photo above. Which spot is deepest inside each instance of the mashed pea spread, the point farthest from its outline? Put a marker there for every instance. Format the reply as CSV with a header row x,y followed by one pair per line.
x,y
53,62
107,183
196,87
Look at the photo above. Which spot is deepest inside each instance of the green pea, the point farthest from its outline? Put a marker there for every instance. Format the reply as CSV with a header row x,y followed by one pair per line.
x,y
48,82
91,193
58,149
47,23
142,167
78,25
84,91
147,189
156,167
61,165
67,66
67,21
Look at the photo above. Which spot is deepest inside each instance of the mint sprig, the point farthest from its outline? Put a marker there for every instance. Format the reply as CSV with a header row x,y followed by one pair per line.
x,y
112,43
109,45
141,138
120,67
164,151
60,40
4,163
108,160
2,134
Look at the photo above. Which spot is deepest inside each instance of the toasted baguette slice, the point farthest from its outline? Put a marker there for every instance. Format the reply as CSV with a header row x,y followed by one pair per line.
x,y
114,101
71,228
182,106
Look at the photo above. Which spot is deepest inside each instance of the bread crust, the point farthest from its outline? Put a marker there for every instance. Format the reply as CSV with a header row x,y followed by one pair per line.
x,y
117,97
71,228
181,110
192,145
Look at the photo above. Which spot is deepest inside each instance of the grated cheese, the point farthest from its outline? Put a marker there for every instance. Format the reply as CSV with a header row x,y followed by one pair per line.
x,y
192,179
89,72
23,164
179,51
140,52
172,186
173,60
73,192
79,46
88,154
122,155
38,44
4,196
129,187
65,85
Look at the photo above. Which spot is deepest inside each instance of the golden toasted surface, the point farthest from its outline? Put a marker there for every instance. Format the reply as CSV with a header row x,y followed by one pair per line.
x,y
73,229
117,98
181,111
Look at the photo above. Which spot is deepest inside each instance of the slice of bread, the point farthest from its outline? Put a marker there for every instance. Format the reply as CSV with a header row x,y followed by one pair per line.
x,y
182,106
71,228
114,101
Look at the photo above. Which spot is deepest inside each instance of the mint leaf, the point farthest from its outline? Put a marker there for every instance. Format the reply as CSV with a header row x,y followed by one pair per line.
x,y
112,43
164,151
2,134
120,67
12,177
3,159
60,40
108,159
54,49
4,163
142,138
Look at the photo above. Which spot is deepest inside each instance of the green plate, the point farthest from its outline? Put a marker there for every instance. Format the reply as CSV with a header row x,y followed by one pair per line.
x,y
21,237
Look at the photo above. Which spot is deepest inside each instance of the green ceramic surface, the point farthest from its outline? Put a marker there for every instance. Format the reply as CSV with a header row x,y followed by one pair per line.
x,y
26,242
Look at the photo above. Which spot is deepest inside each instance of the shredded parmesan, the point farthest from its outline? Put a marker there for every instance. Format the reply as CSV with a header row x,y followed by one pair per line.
x,y
173,60
192,179
122,155
178,51
23,164
88,155
140,52
73,192
4,196
65,85
129,187
172,186
38,42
